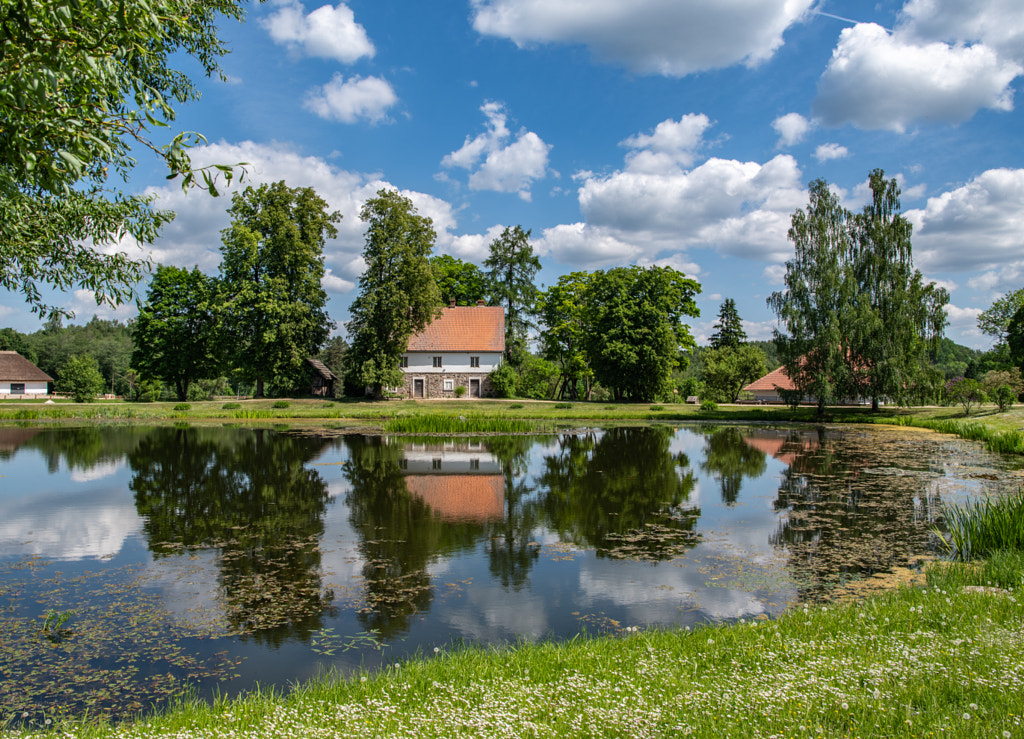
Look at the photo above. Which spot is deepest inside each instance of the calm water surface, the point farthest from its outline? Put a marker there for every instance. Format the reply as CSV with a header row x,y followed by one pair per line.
x,y
137,563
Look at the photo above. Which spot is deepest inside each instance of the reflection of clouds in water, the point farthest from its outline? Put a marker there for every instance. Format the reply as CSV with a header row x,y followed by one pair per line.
x,y
68,527
485,614
188,585
336,488
97,472
658,594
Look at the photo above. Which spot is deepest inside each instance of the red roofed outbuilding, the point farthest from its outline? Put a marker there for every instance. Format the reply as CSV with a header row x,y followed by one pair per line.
x,y
458,349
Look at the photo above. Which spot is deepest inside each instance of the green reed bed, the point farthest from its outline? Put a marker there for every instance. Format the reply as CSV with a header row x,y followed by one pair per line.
x,y
450,424
1006,442
981,527
911,663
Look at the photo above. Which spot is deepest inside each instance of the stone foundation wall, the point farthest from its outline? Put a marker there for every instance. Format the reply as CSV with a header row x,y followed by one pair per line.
x,y
434,384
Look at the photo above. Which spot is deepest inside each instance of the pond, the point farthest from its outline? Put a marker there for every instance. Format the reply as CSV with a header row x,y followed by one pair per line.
x,y
140,563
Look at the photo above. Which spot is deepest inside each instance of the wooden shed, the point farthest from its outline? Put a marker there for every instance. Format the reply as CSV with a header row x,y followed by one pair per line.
x,y
323,379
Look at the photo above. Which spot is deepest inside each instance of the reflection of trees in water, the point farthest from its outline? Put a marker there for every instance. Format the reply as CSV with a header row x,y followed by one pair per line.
x,y
845,522
400,535
621,492
511,549
86,447
729,459
249,494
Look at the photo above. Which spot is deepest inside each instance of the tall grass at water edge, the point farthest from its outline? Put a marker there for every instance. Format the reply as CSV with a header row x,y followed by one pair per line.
x,y
438,424
983,527
1005,442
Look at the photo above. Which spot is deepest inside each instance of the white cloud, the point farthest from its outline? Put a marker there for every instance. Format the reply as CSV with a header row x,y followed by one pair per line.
x,y
825,152
738,208
978,226
673,144
998,24
327,32
960,318
507,165
878,80
350,100
947,285
665,37
996,282
775,274
83,306
791,128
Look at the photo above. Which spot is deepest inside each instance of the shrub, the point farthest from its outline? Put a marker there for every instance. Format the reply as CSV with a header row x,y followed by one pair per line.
x,y
460,391
708,405
503,380
563,406
182,407
965,392
516,406
657,407
1004,397
281,404
80,378
231,406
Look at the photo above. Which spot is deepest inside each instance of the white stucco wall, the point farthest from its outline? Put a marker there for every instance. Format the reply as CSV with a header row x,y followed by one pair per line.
x,y
31,388
422,363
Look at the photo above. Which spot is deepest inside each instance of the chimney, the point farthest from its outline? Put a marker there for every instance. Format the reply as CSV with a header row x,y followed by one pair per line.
x,y
479,303
451,303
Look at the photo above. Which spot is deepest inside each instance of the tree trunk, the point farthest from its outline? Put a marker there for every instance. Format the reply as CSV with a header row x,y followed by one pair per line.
x,y
259,387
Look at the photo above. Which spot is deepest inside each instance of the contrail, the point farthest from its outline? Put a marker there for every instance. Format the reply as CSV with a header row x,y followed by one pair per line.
x,y
841,18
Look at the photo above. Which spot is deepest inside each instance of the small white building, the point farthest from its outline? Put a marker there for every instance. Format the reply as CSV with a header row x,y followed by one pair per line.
x,y
19,378
458,349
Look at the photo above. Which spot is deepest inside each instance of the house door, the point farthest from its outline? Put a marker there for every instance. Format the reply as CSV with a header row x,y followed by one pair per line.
x,y
474,388
417,388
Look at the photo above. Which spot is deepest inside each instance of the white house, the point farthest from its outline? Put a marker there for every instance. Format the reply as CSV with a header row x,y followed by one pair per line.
x,y
19,378
458,349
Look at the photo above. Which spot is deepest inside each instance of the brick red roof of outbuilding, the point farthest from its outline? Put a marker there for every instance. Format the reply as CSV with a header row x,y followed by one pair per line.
x,y
14,367
478,328
776,378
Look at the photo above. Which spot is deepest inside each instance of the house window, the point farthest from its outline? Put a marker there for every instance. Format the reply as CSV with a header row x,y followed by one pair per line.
x,y
474,361
405,362
437,361
449,385
17,388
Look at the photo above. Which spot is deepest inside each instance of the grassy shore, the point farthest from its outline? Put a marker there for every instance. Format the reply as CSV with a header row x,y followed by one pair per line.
x,y
938,661
1002,432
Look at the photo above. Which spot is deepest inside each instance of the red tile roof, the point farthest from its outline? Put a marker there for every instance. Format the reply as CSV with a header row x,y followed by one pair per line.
x,y
461,497
775,378
14,367
477,328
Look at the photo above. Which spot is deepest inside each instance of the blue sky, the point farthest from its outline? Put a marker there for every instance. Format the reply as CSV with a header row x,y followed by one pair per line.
x,y
621,132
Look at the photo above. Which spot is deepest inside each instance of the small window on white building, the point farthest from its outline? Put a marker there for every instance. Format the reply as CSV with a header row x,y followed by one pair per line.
x,y
435,463
437,361
405,362
449,385
474,361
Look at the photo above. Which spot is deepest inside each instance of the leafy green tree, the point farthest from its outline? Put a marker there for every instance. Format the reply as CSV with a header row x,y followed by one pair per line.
x,y
896,316
995,379
636,332
537,378
80,378
996,320
504,380
728,369
12,341
965,392
109,342
274,306
177,334
815,306
397,292
512,267
457,280
729,328
1015,337
83,84
563,339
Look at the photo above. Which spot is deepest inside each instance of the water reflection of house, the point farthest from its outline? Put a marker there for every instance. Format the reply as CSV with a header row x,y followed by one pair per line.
x,y
459,481
11,439
784,446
